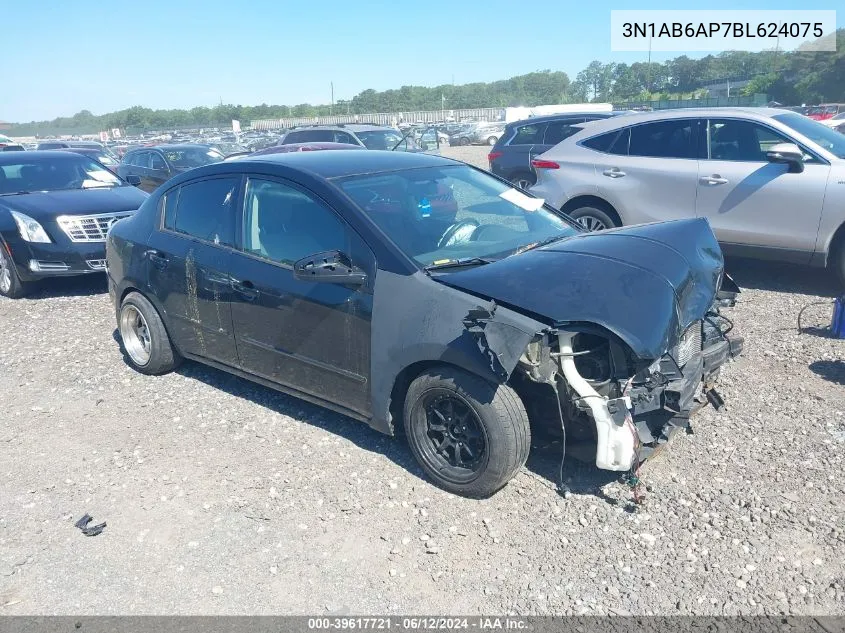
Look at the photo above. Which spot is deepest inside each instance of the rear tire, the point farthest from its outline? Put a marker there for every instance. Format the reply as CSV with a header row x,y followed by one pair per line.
x,y
463,142
523,181
593,218
470,436
145,340
10,283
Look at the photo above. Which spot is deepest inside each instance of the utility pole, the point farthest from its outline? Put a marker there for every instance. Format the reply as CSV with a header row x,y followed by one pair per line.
x,y
331,108
648,70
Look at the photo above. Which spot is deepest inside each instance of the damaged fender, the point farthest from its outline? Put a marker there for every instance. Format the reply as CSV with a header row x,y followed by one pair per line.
x,y
417,320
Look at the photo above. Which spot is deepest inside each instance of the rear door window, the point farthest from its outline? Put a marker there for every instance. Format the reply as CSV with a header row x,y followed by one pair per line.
x,y
206,210
675,138
141,159
156,161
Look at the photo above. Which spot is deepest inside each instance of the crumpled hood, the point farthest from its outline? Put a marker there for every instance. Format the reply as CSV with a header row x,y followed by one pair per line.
x,y
644,283
49,204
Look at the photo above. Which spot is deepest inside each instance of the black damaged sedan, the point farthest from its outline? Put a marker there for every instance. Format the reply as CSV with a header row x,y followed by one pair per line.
x,y
413,290
55,210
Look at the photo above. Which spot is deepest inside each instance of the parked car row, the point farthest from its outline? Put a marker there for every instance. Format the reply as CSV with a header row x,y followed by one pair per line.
x,y
520,141
399,288
154,165
478,133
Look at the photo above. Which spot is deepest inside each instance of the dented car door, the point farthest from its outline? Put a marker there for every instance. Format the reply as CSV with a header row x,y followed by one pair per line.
x,y
188,266
311,336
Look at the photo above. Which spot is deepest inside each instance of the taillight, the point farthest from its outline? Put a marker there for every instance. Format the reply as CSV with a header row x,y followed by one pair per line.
x,y
544,164
493,156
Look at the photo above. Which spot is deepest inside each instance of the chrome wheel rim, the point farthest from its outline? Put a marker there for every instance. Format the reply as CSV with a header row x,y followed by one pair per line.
x,y
523,184
5,272
591,223
135,334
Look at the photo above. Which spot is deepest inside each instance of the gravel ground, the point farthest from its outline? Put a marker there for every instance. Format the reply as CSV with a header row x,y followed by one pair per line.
x,y
225,497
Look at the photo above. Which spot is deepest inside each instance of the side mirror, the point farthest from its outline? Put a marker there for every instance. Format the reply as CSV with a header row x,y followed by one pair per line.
x,y
133,180
331,267
787,153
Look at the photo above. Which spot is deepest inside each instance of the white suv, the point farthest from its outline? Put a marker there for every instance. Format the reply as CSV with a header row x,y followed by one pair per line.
x,y
770,182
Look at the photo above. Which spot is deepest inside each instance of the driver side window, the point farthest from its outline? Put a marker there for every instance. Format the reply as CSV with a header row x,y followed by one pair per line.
x,y
741,141
284,224
157,162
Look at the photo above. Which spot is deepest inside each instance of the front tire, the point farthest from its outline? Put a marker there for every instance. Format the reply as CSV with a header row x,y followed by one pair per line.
x,y
145,339
463,142
10,283
593,218
470,436
837,261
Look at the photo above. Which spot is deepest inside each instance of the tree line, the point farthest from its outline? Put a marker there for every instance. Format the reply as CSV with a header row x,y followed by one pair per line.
x,y
790,78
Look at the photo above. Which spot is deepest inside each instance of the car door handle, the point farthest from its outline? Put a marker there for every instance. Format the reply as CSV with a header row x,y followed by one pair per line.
x,y
246,289
613,172
158,259
715,179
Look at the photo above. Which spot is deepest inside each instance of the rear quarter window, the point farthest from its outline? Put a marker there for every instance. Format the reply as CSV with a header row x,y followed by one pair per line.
x,y
615,142
528,134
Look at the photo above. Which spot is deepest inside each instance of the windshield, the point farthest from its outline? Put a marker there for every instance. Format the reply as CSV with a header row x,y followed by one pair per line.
x,y
108,160
386,140
192,157
438,215
53,174
822,135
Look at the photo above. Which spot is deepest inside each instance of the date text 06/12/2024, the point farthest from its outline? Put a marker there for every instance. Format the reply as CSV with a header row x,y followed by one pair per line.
x,y
416,623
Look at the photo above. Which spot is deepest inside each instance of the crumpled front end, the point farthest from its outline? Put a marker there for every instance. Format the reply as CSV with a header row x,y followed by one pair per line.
x,y
613,401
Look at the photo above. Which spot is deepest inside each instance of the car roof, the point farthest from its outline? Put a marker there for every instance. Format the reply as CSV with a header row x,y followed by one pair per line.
x,y
171,146
615,122
332,164
11,158
563,115
350,127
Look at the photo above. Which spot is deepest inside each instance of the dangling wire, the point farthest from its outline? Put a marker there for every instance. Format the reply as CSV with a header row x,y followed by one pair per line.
x,y
810,305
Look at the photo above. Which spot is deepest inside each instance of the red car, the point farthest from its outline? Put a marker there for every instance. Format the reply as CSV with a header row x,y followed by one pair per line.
x,y
825,111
